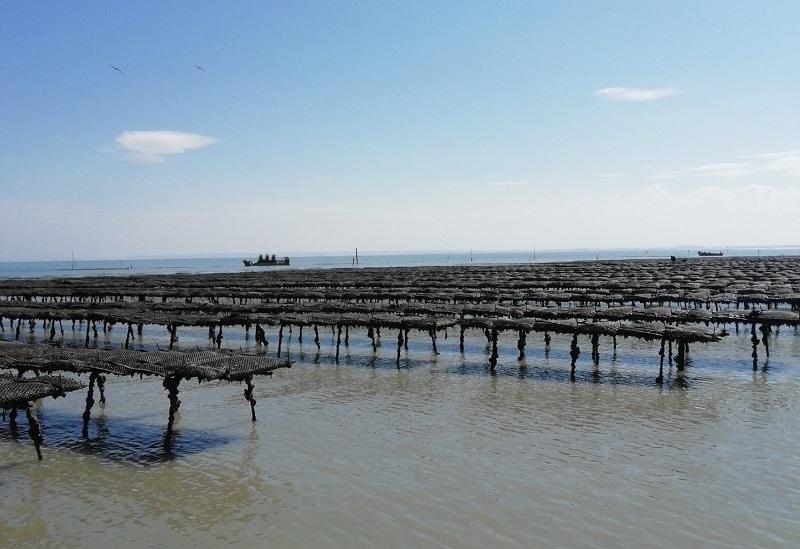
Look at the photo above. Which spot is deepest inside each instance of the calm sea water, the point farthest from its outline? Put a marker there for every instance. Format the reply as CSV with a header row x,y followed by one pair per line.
x,y
232,264
440,453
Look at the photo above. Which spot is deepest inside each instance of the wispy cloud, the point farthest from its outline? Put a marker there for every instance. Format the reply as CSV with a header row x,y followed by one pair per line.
x,y
636,94
511,183
151,146
712,193
776,155
611,176
785,164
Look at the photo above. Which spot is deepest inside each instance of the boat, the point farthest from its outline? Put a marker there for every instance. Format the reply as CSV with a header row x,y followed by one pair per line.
x,y
709,254
265,261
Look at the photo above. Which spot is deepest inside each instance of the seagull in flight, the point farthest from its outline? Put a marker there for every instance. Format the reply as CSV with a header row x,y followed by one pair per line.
x,y
117,69
198,67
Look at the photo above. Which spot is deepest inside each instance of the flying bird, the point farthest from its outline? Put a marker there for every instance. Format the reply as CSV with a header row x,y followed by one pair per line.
x,y
117,69
198,67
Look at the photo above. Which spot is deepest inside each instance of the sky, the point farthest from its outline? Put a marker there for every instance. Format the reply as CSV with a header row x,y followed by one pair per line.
x,y
144,128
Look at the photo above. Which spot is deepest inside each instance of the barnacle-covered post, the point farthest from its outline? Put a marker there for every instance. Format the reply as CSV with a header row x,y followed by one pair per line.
x,y
338,340
248,394
521,345
399,346
680,359
574,353
660,377
87,412
34,430
754,340
495,354
171,383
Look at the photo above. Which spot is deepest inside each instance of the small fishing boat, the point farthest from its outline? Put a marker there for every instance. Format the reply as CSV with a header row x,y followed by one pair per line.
x,y
709,254
266,261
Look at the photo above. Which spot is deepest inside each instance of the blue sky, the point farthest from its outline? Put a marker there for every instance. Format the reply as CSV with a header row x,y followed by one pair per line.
x,y
320,126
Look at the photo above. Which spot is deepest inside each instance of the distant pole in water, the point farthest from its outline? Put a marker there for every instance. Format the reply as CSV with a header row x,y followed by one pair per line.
x,y
73,259
356,256
470,255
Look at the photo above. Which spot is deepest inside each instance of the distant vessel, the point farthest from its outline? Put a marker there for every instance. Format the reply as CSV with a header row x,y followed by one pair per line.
x,y
266,261
709,254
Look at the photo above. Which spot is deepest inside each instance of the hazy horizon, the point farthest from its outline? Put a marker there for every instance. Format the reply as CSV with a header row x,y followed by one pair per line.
x,y
347,253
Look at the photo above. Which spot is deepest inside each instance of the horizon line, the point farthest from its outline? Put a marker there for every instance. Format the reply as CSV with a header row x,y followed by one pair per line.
x,y
346,253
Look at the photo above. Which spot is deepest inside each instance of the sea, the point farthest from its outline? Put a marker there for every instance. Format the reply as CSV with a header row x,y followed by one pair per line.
x,y
441,452
134,266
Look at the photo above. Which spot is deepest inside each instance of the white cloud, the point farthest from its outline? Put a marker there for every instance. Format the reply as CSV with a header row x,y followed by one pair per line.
x,y
776,155
721,169
656,190
512,183
636,94
784,164
151,146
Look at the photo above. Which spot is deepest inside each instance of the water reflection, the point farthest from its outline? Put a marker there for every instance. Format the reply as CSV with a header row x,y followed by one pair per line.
x,y
122,440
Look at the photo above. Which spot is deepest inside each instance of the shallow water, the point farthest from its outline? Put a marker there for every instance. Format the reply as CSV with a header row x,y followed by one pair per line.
x,y
438,453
